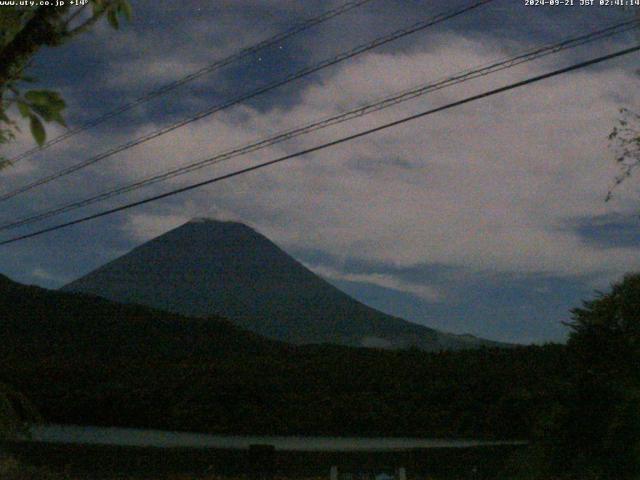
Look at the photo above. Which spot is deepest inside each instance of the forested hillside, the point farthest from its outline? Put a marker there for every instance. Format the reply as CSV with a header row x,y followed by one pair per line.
x,y
85,360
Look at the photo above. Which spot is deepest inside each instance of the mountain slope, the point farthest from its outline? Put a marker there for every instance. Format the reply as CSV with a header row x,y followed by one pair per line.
x,y
84,360
35,319
208,267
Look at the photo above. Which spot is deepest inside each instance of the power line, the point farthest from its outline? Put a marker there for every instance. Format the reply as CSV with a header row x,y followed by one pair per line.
x,y
218,64
466,75
239,99
323,146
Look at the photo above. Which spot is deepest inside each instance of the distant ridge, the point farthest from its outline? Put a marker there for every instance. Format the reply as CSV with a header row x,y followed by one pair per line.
x,y
83,360
209,267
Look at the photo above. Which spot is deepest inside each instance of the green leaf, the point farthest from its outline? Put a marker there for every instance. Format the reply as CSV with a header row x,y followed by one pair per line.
x,y
124,8
37,130
98,7
43,112
112,17
45,98
24,109
59,119
38,97
11,20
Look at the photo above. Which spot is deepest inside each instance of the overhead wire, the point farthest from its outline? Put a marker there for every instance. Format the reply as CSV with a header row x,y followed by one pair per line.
x,y
416,27
216,65
332,143
466,75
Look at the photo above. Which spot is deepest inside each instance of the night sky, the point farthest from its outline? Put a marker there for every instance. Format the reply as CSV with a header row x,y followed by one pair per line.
x,y
487,219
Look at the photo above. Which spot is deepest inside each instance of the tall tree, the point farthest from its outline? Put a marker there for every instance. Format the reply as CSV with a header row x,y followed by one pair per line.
x,y
593,433
24,31
606,344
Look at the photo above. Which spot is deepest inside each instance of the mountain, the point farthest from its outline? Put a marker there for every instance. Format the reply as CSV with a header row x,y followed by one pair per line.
x,y
208,267
84,360
80,326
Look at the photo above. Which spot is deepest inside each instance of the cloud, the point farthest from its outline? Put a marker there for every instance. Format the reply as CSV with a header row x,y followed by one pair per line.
x,y
491,188
48,277
143,226
487,186
425,292
146,227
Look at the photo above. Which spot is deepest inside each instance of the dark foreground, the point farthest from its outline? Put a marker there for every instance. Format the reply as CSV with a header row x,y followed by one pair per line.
x,y
110,462
83,360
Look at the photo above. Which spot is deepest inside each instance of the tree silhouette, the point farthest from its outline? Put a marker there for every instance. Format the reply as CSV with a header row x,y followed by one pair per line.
x,y
593,431
24,31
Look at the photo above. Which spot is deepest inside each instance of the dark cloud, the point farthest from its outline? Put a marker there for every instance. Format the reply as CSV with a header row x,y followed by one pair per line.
x,y
459,221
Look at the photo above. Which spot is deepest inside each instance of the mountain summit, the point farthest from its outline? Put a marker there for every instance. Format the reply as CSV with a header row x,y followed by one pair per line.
x,y
208,267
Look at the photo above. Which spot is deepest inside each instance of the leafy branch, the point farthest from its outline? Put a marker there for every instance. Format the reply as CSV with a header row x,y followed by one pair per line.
x,y
624,139
23,32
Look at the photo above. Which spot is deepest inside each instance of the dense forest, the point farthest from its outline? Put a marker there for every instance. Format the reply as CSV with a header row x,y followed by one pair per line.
x,y
85,360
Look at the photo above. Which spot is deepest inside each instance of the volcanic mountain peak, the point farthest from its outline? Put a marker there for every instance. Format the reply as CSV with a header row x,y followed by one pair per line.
x,y
211,267
210,220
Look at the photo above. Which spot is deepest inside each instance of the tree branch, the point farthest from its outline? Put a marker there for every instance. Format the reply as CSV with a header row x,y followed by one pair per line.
x,y
90,21
40,30
74,15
